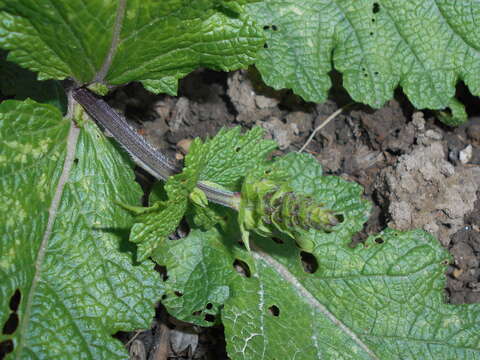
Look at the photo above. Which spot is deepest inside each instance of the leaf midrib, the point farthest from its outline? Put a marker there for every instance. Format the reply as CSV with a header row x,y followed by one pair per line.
x,y
117,28
286,275
71,147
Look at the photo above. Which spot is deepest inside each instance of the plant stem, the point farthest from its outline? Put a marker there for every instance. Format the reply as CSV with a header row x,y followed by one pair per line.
x,y
142,153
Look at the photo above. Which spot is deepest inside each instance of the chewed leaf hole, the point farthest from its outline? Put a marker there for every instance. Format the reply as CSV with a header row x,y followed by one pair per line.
x,y
376,8
11,324
278,240
309,262
209,306
340,218
274,310
15,300
197,313
379,240
265,46
6,347
178,293
209,318
162,270
445,262
242,268
266,27
274,27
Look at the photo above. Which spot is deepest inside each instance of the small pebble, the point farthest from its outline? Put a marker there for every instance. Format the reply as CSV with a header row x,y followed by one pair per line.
x,y
465,155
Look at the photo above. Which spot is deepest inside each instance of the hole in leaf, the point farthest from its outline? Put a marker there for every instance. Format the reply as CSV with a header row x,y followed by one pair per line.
x,y
11,324
365,75
340,218
375,73
75,161
242,268
178,293
266,27
277,240
371,33
445,262
268,172
15,300
237,149
123,336
373,20
265,46
164,296
309,262
209,318
197,313
274,310
209,306
274,27
376,8
162,270
6,347
379,240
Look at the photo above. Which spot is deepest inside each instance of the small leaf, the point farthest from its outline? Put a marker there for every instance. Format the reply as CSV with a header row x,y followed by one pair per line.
x,y
230,155
199,273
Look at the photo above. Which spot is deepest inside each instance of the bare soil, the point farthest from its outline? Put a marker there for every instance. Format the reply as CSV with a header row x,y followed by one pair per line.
x,y
417,172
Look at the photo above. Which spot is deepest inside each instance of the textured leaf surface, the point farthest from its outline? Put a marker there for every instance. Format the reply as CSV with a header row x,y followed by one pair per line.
x,y
64,246
230,155
300,176
199,274
425,46
223,161
383,300
118,41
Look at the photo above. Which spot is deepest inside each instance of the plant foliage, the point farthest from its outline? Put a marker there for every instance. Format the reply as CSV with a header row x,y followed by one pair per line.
x,y
65,283
424,46
70,278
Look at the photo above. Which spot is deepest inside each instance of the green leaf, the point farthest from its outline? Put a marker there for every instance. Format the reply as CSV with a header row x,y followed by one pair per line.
x,y
64,247
424,46
221,161
291,196
199,274
230,155
118,41
153,227
385,301
381,300
154,224
21,84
